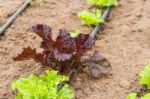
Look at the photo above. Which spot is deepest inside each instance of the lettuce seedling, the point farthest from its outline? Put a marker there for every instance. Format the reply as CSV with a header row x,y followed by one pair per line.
x,y
132,96
146,96
145,81
75,33
90,18
42,87
63,54
145,76
103,3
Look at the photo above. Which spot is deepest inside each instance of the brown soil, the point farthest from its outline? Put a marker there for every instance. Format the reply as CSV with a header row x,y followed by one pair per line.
x,y
125,42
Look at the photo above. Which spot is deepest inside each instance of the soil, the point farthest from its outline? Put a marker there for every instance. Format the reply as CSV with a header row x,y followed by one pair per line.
x,y
124,41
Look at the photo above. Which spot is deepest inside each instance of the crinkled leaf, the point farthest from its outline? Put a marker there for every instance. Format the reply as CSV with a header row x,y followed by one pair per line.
x,y
84,42
90,18
65,43
81,39
75,33
88,43
61,56
43,87
146,96
29,53
98,65
97,57
145,76
132,96
103,3
44,32
97,70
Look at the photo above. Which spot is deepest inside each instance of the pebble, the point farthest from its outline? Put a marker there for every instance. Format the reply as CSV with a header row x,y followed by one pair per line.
x,y
125,84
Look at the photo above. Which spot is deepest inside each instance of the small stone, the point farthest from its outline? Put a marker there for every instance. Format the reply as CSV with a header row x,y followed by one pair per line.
x,y
133,30
125,84
140,30
139,15
53,14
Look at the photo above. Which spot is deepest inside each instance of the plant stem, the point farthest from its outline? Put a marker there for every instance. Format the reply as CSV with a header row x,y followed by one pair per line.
x,y
14,16
98,27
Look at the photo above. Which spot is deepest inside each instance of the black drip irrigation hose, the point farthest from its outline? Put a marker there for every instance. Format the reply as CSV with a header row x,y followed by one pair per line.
x,y
14,16
60,86
98,27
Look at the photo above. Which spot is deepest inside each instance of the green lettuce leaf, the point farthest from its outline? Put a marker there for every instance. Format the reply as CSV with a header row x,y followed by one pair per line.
x,y
42,87
132,96
145,76
146,96
75,33
103,3
90,18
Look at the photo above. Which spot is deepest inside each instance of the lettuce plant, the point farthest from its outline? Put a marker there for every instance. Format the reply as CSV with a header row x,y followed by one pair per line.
x,y
145,76
42,87
145,81
103,3
75,33
90,18
132,96
62,54
146,96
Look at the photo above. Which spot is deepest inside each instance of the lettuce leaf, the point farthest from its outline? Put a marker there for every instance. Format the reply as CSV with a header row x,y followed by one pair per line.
x,y
42,87
90,18
75,33
132,96
103,3
145,76
146,96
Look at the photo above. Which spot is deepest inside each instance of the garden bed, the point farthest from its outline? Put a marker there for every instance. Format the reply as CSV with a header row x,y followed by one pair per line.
x,y
124,42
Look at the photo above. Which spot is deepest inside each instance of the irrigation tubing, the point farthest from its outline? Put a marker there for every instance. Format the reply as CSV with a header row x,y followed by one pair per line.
x,y
13,17
98,27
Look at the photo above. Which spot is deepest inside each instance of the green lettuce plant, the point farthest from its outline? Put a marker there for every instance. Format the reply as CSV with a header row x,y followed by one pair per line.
x,y
42,87
145,76
145,81
90,18
132,96
103,3
146,96
75,33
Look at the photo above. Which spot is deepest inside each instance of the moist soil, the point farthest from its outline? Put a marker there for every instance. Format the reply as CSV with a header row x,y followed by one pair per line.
x,y
124,41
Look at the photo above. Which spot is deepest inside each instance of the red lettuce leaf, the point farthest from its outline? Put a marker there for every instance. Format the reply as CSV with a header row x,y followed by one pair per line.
x,y
44,32
65,43
61,56
29,53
